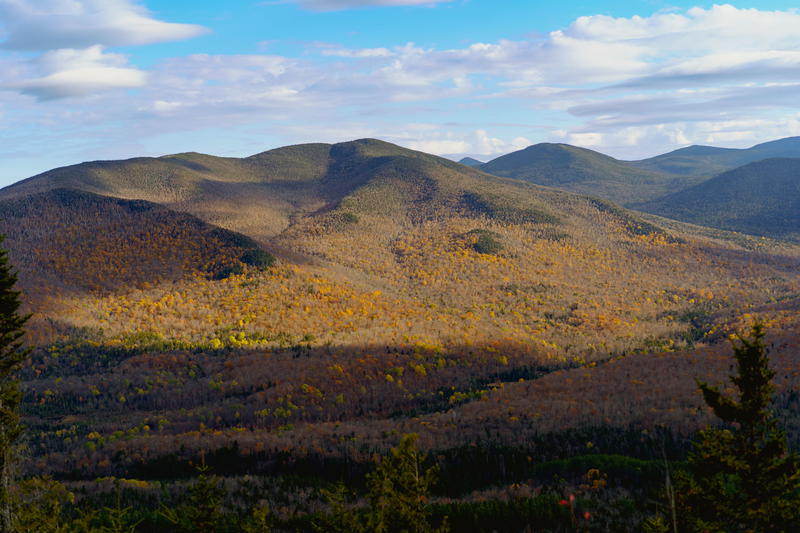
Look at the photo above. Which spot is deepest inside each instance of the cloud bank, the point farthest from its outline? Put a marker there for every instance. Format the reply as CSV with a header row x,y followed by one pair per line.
x,y
628,86
52,24
71,36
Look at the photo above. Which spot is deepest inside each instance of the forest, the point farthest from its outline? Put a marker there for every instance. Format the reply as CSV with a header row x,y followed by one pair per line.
x,y
410,346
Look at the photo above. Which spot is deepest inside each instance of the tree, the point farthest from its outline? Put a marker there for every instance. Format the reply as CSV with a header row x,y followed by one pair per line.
x,y
340,517
398,491
39,504
742,477
202,511
11,356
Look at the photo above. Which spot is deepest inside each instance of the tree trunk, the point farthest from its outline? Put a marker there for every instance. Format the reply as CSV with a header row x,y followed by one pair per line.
x,y
5,485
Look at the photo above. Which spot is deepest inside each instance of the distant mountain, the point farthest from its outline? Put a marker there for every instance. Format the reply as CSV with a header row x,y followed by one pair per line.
x,y
709,160
263,194
255,195
471,162
761,198
585,171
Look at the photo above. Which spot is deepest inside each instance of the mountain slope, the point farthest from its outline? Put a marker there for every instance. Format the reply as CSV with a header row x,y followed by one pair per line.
x,y
256,195
585,171
88,241
470,162
709,160
761,198
435,293
369,216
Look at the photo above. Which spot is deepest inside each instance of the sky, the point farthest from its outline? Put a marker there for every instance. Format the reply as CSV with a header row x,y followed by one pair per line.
x,y
85,80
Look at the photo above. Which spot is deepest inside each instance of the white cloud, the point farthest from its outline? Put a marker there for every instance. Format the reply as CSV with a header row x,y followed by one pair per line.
x,y
72,36
163,106
628,86
440,140
72,73
337,5
51,24
637,142
439,146
362,53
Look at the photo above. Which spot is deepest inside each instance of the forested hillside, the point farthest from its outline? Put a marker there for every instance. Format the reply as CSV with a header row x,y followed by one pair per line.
x,y
522,332
761,198
587,172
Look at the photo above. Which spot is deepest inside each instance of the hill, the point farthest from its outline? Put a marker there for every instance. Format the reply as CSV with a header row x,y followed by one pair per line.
x,y
761,198
709,160
585,171
256,195
67,244
364,216
512,326
470,162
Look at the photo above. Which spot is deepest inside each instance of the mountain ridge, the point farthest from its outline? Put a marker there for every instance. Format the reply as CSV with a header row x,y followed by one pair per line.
x,y
711,160
760,198
263,194
584,171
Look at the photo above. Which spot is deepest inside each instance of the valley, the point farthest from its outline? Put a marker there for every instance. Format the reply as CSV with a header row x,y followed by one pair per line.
x,y
286,316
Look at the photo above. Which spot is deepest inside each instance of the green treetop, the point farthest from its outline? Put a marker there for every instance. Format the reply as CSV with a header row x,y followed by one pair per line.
x,y
742,478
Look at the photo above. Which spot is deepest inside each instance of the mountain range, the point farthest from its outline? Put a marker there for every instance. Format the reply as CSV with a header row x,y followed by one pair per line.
x,y
375,214
260,195
585,171
698,184
279,313
761,198
709,160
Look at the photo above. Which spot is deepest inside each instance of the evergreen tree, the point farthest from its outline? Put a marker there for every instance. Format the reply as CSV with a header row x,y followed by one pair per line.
x,y
39,505
742,478
11,356
202,511
118,519
398,491
341,516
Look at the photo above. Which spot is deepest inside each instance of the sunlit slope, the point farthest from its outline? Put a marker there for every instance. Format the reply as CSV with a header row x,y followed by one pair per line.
x,y
257,195
405,245
410,250
761,198
585,171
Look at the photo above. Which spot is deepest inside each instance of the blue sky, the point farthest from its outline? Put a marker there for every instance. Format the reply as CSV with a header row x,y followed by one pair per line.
x,y
106,79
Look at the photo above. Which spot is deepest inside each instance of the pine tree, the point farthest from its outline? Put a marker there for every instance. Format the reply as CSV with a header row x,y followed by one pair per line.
x,y
398,491
11,356
742,478
202,511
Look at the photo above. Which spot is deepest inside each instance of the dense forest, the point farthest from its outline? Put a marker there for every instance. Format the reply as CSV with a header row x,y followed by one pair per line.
x,y
380,340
